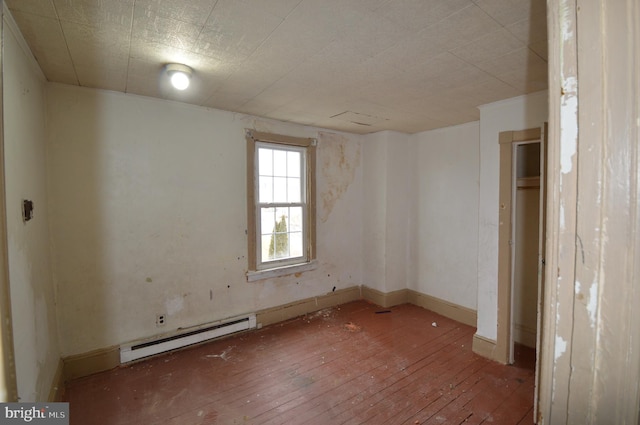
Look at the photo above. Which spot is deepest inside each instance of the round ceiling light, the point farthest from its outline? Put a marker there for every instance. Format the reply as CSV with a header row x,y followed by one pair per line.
x,y
179,75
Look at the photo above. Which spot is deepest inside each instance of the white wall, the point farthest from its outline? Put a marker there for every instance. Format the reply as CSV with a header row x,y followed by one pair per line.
x,y
32,295
399,194
148,200
148,213
451,247
385,217
445,227
374,212
513,114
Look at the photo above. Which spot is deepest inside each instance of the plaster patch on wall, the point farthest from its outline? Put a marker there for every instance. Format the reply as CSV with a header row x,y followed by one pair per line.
x,y
339,159
561,347
174,305
569,124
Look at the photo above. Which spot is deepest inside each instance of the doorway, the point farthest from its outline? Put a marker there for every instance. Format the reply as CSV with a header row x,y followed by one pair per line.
x,y
525,246
520,243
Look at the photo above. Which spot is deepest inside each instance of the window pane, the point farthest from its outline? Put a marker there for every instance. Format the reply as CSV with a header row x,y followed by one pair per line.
x,y
295,219
265,162
281,246
293,189
280,176
278,244
267,220
266,189
279,189
293,164
282,213
279,163
295,244
266,240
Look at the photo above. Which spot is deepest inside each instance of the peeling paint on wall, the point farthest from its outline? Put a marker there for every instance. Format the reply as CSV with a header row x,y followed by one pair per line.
x,y
339,159
566,19
569,124
561,347
592,306
592,303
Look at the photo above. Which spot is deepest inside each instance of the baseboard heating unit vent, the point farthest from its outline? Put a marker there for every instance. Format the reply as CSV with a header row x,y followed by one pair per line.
x,y
135,351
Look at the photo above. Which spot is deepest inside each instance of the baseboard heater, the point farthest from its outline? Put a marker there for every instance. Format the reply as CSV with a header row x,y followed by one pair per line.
x,y
135,351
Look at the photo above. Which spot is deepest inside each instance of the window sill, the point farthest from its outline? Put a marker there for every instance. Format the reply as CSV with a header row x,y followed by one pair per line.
x,y
253,276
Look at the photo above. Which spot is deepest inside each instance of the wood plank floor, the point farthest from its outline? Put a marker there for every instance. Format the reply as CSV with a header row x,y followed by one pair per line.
x,y
353,364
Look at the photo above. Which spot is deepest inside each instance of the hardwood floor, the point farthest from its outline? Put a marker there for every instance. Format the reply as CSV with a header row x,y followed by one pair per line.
x,y
353,364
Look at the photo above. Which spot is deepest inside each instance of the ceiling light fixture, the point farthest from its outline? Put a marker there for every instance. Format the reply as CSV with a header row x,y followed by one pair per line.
x,y
179,75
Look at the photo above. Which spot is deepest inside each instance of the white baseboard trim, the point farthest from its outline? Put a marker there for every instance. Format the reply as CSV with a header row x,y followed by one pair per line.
x,y
445,308
108,358
484,347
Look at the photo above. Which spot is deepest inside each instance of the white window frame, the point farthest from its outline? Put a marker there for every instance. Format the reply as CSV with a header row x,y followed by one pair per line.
x,y
258,268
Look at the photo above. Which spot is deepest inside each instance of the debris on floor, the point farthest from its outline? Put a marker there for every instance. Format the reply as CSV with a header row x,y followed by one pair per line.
x,y
223,355
352,327
287,370
434,324
325,314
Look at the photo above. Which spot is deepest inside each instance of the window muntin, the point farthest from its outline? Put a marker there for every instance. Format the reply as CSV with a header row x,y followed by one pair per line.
x,y
281,217
280,173
281,204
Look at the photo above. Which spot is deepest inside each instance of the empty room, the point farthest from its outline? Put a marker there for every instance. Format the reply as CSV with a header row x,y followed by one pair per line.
x,y
320,211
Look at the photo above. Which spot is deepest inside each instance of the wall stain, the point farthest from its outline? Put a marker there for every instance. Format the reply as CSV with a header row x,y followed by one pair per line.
x,y
255,123
339,159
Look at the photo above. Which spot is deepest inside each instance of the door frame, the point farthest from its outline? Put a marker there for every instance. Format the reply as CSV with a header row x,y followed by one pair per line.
x,y
507,141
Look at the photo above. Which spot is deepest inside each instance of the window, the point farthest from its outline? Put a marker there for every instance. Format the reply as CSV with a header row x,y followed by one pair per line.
x,y
281,204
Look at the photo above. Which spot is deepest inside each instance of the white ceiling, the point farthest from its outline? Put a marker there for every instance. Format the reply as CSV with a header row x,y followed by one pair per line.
x,y
354,65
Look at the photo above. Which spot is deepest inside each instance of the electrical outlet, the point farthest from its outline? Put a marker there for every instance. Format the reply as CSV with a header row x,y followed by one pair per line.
x,y
160,320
